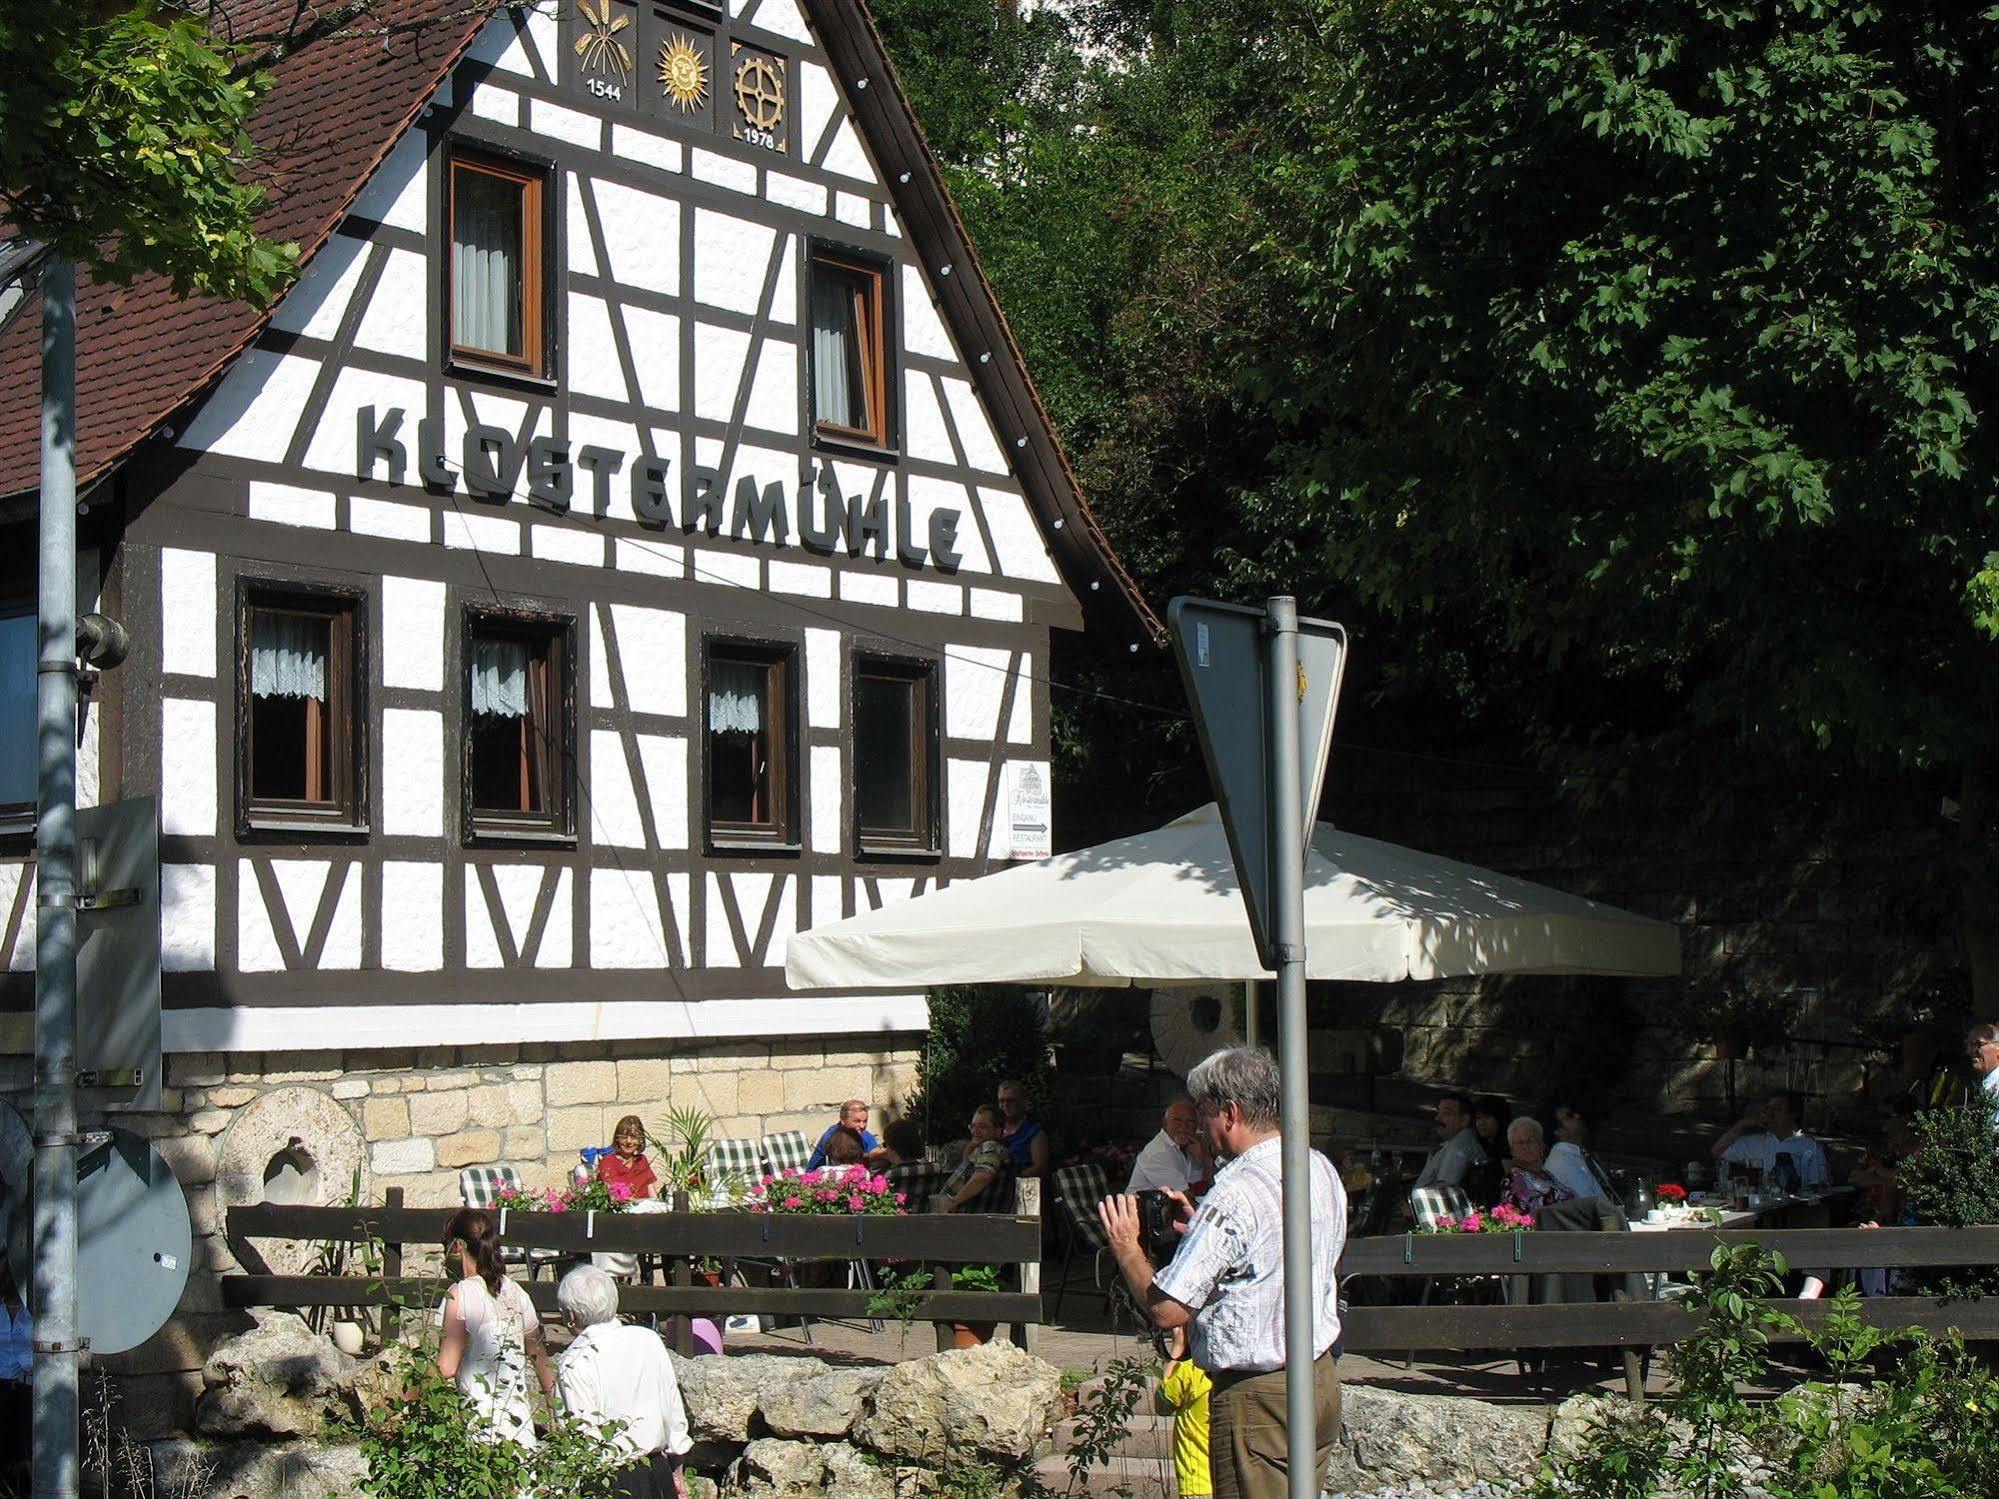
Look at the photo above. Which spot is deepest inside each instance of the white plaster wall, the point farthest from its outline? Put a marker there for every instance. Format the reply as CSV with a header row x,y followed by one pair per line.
x,y
557,939
291,505
1020,551
558,544
808,579
256,941
965,797
719,950
187,918
975,431
332,447
719,354
21,957
413,634
613,805
663,762
187,768
564,124
647,149
924,433
388,519
828,794
253,411
974,681
412,936
188,612
923,330
641,236
870,588
652,647
731,258
593,364
934,598
1020,722
481,533
314,307
823,686
827,895
783,17
655,341
847,158
625,930
395,195
773,402
582,249
396,321
413,797
927,495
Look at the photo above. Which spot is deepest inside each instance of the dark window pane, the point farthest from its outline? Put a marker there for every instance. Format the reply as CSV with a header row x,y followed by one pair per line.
x,y
499,779
885,754
740,725
291,727
18,648
487,257
278,748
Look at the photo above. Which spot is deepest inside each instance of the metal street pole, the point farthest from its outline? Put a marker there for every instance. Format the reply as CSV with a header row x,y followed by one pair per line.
x,y
56,1342
1287,852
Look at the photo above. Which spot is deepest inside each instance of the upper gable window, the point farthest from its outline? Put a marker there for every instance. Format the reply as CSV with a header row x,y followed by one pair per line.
x,y
499,239
19,647
849,357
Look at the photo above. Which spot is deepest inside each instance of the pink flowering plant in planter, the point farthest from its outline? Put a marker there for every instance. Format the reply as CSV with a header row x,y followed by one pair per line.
x,y
830,1189
596,1197
1504,1219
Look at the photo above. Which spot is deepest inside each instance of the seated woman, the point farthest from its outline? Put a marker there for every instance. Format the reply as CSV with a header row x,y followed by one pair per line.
x,y
1486,1179
627,1161
614,1373
902,1143
1529,1187
491,1332
986,1160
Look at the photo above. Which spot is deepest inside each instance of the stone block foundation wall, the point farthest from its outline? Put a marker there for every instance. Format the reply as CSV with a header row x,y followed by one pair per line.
x,y
307,1127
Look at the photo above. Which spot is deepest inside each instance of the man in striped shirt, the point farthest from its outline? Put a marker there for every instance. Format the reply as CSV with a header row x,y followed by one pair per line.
x,y
1226,1282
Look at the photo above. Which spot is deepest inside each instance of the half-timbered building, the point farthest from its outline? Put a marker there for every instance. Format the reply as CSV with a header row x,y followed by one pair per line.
x,y
633,539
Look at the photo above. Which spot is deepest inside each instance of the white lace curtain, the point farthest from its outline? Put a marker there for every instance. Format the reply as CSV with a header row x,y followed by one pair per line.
x,y
486,263
736,697
288,656
835,354
500,677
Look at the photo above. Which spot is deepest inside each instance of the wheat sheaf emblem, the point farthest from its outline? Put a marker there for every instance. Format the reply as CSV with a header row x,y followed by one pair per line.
x,y
598,48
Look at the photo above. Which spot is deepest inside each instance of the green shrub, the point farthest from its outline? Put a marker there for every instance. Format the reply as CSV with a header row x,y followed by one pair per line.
x,y
1952,1181
979,1035
1921,1429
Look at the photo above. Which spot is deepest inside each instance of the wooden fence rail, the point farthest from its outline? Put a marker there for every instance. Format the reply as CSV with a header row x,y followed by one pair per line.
x,y
678,1238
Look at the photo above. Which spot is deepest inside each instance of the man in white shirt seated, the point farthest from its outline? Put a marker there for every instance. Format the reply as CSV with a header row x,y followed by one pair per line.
x,y
1457,1149
1778,1133
612,1372
1982,1046
1571,1161
1175,1159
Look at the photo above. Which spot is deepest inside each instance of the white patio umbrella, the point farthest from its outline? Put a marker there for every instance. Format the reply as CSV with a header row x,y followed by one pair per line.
x,y
1164,907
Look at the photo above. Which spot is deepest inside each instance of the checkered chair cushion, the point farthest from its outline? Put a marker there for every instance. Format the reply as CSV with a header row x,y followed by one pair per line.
x,y
1431,1205
787,1150
1080,1189
998,1197
918,1181
734,1166
479,1185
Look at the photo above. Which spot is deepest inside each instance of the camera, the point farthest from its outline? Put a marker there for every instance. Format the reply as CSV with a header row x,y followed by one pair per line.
x,y
1157,1235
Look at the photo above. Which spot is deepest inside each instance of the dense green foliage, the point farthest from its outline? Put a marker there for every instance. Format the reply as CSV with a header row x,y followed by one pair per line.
x,y
978,1037
123,145
1952,1181
1621,375
1897,1415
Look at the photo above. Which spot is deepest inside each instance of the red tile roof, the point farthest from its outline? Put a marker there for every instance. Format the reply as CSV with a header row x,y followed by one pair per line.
x,y
335,106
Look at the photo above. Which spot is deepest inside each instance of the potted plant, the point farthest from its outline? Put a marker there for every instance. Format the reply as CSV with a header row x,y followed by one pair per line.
x,y
1738,1019
974,1278
682,1147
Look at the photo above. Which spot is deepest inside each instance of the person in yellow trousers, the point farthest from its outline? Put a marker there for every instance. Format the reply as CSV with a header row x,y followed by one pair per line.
x,y
1183,1389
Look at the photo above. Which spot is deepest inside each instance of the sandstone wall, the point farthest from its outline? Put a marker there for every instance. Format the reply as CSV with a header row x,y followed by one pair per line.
x,y
413,1118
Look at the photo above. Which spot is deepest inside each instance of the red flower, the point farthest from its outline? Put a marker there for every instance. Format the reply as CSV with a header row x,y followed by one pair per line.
x,y
1672,1192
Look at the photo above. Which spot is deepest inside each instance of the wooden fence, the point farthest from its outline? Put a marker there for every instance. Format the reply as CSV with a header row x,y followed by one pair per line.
x,y
680,1239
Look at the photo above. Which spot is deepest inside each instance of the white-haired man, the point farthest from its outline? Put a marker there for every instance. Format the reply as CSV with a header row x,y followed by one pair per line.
x,y
614,1373
1175,1159
1226,1281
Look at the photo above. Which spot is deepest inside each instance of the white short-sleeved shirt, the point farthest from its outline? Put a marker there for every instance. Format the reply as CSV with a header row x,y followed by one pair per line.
x,y
1762,1151
1230,1267
614,1372
1163,1164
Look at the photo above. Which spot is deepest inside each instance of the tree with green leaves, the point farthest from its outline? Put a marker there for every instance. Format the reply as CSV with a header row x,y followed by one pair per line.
x,y
123,146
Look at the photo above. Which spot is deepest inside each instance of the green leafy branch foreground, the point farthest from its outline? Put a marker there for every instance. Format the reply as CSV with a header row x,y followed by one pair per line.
x,y
1896,1415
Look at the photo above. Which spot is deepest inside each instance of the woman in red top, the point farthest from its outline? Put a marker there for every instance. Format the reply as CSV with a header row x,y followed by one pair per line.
x,y
627,1161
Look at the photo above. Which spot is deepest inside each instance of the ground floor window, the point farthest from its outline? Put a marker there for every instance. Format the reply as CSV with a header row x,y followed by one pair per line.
x,y
895,736
748,723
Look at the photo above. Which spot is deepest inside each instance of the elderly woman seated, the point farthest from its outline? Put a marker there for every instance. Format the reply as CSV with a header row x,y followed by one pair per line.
x,y
614,1373
1529,1187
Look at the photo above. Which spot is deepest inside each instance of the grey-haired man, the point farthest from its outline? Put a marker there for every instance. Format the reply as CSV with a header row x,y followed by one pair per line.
x,y
1226,1282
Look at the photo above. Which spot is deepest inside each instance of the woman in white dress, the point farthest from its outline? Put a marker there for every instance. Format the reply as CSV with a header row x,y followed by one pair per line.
x,y
491,1331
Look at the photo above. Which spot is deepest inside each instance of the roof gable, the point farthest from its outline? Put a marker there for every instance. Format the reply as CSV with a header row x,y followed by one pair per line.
x,y
156,355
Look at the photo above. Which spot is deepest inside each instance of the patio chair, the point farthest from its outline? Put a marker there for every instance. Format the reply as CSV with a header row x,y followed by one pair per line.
x,y
1428,1207
787,1150
1078,1190
918,1181
999,1195
478,1186
734,1166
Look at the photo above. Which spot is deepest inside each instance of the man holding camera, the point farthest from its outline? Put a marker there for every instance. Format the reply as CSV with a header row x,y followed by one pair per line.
x,y
1225,1283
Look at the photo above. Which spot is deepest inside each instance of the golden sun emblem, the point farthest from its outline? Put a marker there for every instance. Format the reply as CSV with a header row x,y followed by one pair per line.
x,y
683,73
759,93
598,47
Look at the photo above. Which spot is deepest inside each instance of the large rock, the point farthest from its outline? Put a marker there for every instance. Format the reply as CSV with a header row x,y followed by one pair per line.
x,y
852,1474
993,1403
775,1469
1389,1439
258,1470
279,1379
723,1394
821,1407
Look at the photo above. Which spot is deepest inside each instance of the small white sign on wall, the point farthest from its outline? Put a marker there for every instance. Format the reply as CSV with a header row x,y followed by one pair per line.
x,y
1028,811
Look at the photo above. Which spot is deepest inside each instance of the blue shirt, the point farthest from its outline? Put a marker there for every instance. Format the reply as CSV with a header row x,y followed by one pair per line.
x,y
1020,1144
818,1157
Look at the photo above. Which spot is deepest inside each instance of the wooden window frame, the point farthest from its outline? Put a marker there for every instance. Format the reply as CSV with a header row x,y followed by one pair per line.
x,y
555,633
345,814
924,841
879,373
537,254
17,819
780,835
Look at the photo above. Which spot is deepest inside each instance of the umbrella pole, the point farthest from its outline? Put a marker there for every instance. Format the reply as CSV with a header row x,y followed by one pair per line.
x,y
1287,885
1250,1028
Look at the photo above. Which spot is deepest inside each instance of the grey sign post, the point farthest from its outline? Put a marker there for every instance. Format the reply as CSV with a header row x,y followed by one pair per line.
x,y
1251,675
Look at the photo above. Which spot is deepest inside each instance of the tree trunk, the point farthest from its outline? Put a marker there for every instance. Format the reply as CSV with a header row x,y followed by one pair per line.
x,y
1978,853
